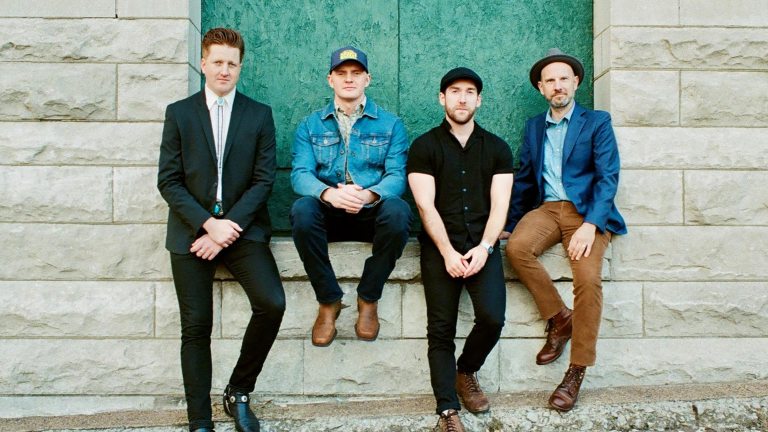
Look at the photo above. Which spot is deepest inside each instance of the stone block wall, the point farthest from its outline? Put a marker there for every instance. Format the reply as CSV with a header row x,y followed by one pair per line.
x,y
88,314
684,80
86,302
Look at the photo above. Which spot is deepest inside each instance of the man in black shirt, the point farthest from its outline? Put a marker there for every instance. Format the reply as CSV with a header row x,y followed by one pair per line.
x,y
461,178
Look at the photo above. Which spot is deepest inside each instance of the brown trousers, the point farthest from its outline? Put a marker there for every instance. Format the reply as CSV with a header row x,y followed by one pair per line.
x,y
540,229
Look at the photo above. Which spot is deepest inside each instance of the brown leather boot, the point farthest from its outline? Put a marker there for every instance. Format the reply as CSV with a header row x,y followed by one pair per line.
x,y
565,395
324,330
367,326
470,393
559,329
449,421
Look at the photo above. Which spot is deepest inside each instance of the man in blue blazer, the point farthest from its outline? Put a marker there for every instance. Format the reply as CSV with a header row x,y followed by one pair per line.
x,y
216,171
564,192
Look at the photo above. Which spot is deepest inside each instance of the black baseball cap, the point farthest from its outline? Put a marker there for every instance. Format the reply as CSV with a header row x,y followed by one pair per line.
x,y
458,74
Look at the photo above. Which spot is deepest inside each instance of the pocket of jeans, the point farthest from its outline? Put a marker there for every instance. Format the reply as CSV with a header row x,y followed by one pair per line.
x,y
375,147
325,147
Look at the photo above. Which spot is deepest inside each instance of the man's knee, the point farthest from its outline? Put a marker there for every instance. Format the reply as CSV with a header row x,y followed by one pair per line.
x,y
440,332
395,214
518,250
491,322
305,212
273,308
196,329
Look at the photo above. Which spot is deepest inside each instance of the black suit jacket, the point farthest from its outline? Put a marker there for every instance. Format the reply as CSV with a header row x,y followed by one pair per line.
x,y
187,177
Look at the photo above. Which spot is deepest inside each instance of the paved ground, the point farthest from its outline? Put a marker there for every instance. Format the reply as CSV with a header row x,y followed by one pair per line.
x,y
700,408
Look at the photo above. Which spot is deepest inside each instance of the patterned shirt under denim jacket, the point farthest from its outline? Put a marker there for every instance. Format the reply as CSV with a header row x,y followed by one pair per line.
x,y
378,149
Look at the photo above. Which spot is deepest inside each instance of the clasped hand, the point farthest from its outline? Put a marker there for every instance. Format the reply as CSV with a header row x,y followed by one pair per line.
x,y
348,197
469,264
221,233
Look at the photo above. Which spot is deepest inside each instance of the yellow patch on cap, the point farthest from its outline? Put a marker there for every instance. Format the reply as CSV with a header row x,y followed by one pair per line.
x,y
348,55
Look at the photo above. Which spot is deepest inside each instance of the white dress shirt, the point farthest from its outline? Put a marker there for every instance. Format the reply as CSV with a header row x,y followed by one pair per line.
x,y
220,127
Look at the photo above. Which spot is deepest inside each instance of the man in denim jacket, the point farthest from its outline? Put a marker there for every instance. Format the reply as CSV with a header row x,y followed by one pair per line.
x,y
349,168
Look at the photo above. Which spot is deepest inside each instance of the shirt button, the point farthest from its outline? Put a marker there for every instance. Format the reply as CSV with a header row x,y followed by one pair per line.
x,y
464,190
462,171
466,208
342,152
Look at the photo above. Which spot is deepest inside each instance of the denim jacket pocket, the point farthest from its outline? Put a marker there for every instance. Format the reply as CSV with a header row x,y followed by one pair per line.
x,y
374,147
325,146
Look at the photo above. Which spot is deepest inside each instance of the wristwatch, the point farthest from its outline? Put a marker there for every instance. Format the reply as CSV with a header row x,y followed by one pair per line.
x,y
487,246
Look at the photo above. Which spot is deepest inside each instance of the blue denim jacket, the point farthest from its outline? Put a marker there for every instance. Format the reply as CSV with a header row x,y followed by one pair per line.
x,y
378,147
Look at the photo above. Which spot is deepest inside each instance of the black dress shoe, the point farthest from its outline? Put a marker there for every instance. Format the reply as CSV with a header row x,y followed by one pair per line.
x,y
236,406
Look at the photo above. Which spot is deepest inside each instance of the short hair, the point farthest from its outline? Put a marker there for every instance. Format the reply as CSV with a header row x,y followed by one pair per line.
x,y
223,36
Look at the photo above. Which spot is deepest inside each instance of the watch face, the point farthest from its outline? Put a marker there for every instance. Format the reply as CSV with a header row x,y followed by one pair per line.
x,y
490,250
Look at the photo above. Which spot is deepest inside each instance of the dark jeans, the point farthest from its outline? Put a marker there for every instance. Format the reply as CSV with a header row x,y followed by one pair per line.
x,y
316,224
442,293
252,264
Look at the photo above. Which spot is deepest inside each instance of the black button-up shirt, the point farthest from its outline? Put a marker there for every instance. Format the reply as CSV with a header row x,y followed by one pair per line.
x,y
463,178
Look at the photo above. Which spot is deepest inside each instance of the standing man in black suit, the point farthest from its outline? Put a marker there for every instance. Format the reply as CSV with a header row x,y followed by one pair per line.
x,y
216,171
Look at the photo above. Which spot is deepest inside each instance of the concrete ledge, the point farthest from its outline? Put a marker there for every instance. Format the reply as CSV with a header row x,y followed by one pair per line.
x,y
712,407
348,259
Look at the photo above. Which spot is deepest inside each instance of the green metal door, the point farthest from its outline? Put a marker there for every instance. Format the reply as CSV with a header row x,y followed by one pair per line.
x,y
410,45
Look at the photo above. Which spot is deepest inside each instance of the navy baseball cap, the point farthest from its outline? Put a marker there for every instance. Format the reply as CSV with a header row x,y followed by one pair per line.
x,y
458,74
348,53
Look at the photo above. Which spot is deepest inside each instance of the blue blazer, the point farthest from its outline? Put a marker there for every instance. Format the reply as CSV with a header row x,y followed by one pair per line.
x,y
590,170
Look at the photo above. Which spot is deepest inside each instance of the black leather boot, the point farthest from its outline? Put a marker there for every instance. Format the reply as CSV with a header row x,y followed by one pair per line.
x,y
236,406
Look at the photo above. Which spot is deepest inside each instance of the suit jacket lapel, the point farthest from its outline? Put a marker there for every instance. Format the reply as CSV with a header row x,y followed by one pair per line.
x,y
574,129
234,122
540,130
205,122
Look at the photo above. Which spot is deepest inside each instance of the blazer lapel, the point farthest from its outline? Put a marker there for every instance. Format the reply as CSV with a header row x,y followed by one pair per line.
x,y
574,129
540,130
234,122
205,122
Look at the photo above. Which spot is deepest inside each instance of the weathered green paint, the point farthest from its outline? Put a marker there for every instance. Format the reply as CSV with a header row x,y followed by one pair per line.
x,y
410,45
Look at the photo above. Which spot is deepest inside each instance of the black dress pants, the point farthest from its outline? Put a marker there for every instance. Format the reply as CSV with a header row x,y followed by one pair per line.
x,y
253,266
442,292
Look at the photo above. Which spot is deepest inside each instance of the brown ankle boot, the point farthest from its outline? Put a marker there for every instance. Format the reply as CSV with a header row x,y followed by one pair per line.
x,y
450,422
470,393
559,329
324,330
367,326
565,395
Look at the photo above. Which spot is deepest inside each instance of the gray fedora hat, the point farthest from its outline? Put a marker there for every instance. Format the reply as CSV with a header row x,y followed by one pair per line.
x,y
555,55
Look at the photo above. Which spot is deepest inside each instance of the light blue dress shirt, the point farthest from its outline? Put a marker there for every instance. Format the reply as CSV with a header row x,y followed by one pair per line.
x,y
554,142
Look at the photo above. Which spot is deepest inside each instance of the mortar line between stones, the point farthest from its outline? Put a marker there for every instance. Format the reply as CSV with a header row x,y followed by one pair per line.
x,y
642,307
680,98
682,196
154,310
399,17
117,88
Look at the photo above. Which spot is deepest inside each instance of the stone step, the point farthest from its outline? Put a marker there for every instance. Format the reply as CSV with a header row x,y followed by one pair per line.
x,y
738,406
